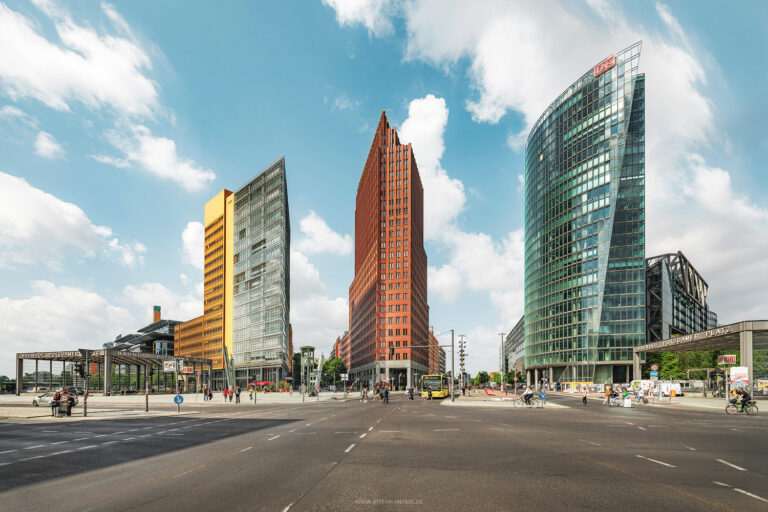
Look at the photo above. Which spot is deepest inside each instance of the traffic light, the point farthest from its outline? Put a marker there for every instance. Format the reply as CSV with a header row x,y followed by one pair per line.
x,y
80,369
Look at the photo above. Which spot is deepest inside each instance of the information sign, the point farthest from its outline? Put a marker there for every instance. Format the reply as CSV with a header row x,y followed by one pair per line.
x,y
726,359
739,378
178,399
169,366
654,374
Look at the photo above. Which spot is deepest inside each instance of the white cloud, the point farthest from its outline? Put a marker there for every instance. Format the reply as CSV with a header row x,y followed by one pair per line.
x,y
344,103
372,14
175,306
156,155
57,318
516,66
83,66
316,319
36,226
319,237
193,241
47,146
444,197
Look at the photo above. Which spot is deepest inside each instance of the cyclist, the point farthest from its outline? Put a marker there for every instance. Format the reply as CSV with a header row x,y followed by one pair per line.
x,y
527,395
742,398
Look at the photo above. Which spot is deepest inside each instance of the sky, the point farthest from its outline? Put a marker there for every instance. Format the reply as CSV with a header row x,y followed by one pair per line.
x,y
118,121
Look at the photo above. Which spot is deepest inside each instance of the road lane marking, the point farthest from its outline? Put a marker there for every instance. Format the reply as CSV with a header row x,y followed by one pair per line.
x,y
49,431
189,471
388,431
742,491
363,435
128,438
271,438
286,509
342,432
86,447
83,432
690,447
30,458
591,442
641,428
656,461
36,446
246,449
59,442
370,428
8,451
132,430
118,433
736,430
349,449
82,439
291,431
444,429
321,419
720,483
101,435
732,465
628,423
308,424
59,453
379,421
108,442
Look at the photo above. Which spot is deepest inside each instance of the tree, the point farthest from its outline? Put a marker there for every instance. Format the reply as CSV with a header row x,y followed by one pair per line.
x,y
333,367
481,378
296,371
670,367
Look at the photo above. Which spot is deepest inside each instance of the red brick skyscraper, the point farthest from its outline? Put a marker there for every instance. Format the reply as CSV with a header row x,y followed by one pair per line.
x,y
388,296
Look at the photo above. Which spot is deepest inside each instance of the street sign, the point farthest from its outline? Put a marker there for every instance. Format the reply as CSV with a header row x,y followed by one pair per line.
x,y
187,369
654,378
178,399
199,373
515,379
169,366
726,359
344,376
654,367
654,374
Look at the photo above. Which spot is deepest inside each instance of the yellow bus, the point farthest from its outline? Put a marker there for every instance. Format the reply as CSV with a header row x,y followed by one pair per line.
x,y
438,383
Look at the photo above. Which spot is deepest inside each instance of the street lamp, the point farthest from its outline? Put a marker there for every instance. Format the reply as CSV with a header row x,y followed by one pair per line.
x,y
502,363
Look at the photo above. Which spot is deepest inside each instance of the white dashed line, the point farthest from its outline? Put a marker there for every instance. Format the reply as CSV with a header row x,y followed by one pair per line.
x,y
732,465
388,431
628,423
59,453
591,442
129,438
87,447
342,432
308,424
641,428
8,451
59,442
721,483
49,431
363,435
31,458
101,435
291,431
690,447
246,449
108,442
33,447
742,491
82,439
444,429
656,461
349,449
271,438
370,428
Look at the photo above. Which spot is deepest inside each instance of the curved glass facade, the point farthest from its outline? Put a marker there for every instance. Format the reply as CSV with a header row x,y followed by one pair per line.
x,y
585,227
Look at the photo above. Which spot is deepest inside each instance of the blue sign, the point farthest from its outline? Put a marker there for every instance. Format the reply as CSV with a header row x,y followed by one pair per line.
x,y
542,396
178,399
654,374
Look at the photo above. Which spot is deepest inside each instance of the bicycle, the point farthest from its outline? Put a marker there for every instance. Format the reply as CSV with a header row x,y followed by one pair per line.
x,y
520,402
737,408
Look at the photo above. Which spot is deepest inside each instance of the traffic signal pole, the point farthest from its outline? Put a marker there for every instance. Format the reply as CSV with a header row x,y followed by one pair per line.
x,y
453,369
87,372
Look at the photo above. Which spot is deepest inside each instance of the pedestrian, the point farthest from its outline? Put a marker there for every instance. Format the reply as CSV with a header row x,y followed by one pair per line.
x,y
410,393
224,393
210,394
607,394
237,395
586,394
463,389
429,393
230,395
250,394
385,395
55,403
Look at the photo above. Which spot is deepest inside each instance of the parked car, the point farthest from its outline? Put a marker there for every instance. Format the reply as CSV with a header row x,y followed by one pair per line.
x,y
74,390
45,399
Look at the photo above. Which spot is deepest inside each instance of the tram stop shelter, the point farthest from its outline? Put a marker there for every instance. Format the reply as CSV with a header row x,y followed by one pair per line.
x,y
746,337
106,363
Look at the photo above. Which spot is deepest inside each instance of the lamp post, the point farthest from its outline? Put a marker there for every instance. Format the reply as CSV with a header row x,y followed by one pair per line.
x,y
502,362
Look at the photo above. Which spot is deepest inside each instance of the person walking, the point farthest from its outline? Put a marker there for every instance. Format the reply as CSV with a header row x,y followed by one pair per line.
x,y
230,395
55,403
584,397
607,394
463,389
429,393
237,395
410,393
385,395
210,394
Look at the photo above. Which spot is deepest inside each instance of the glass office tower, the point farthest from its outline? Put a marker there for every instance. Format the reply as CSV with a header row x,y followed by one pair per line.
x,y
585,227
261,277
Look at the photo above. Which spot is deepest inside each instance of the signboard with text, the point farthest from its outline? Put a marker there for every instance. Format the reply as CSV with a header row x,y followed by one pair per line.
x,y
739,378
605,65
169,366
726,359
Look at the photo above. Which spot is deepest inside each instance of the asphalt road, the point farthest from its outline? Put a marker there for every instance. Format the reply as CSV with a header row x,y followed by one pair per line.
x,y
402,456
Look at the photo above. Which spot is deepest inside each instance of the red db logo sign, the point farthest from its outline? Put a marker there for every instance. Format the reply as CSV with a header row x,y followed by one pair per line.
x,y
605,65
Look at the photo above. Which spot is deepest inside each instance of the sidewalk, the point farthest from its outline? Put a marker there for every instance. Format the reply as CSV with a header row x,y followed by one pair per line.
x,y
693,402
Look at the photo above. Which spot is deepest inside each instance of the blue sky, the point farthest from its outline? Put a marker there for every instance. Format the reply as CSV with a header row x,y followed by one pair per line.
x,y
118,121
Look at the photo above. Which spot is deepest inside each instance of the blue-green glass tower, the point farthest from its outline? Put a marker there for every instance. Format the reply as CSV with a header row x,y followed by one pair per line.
x,y
585,227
